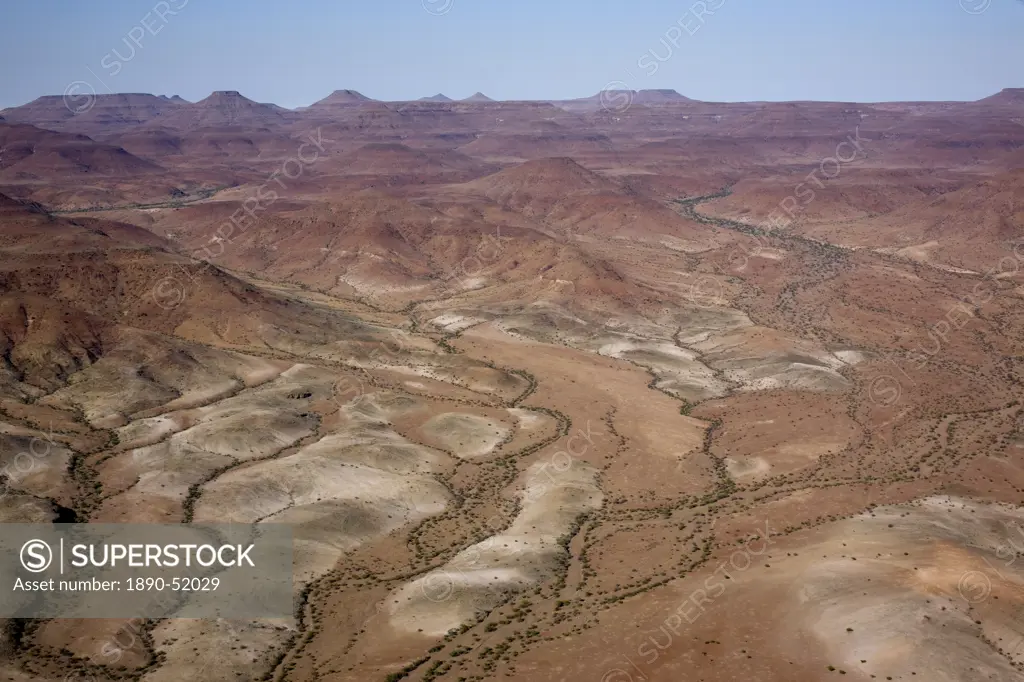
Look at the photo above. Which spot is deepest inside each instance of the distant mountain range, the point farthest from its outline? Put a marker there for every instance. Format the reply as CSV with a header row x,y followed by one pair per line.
x,y
56,108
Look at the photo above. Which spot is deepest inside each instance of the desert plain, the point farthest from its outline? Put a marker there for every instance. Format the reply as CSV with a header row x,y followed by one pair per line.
x,y
626,388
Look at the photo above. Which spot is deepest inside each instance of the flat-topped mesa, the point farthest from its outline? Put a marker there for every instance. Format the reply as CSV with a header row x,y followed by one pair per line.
x,y
660,96
231,100
1012,96
234,101
223,107
130,97
651,96
54,110
343,97
86,101
220,97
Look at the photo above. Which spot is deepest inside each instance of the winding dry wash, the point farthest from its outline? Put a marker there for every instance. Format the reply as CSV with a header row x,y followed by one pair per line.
x,y
627,388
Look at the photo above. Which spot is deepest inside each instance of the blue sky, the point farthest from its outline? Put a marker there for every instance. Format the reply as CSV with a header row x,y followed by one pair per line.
x,y
293,53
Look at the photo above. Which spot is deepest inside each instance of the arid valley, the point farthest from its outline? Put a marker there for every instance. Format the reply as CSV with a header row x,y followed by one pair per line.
x,y
626,388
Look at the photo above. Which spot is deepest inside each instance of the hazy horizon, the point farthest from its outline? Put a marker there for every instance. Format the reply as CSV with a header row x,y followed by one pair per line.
x,y
463,99
716,51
